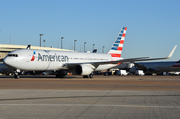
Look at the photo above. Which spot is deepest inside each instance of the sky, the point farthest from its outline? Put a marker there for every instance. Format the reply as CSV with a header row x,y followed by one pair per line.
x,y
153,27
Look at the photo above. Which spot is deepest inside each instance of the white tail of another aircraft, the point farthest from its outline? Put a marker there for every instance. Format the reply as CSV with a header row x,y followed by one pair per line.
x,y
117,47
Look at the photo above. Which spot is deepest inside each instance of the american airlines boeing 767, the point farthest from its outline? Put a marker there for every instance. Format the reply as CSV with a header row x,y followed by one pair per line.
x,y
79,62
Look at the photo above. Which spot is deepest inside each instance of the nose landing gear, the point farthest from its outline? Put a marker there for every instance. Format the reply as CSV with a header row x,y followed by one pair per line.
x,y
16,74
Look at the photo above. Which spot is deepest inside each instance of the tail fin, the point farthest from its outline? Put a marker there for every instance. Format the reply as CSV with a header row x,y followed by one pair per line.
x,y
117,47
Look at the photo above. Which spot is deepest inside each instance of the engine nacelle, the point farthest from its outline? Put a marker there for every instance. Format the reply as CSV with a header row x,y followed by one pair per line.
x,y
83,69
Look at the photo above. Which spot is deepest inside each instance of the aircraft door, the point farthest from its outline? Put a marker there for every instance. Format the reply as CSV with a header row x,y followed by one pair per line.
x,y
42,59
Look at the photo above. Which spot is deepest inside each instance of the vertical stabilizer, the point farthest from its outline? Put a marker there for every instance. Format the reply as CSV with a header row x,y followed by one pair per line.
x,y
117,47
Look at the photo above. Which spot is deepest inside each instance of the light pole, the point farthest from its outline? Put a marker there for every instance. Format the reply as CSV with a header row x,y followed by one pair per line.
x,y
93,47
61,41
44,42
40,39
84,46
74,44
103,49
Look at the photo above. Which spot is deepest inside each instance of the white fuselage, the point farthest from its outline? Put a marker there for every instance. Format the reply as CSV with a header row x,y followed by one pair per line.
x,y
43,60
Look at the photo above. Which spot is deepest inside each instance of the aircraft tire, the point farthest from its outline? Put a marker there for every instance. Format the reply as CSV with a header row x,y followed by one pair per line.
x,y
7,74
16,76
60,75
86,76
91,76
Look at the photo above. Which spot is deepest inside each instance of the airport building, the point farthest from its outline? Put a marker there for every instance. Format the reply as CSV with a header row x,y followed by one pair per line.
x,y
5,49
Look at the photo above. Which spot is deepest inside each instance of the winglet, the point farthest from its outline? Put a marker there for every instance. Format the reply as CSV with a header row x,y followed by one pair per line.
x,y
171,53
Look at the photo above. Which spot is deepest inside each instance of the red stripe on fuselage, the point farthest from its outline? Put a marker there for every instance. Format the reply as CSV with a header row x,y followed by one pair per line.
x,y
115,55
175,65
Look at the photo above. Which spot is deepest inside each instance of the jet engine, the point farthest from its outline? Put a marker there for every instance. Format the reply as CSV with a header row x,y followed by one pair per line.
x,y
83,69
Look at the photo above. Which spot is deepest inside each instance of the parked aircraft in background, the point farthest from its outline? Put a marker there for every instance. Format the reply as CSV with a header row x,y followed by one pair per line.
x,y
5,70
79,62
157,67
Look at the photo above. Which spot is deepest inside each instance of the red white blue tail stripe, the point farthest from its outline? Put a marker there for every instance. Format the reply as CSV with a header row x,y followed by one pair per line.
x,y
117,47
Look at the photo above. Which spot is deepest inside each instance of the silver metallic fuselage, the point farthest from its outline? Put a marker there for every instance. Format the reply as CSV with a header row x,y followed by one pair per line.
x,y
160,66
4,69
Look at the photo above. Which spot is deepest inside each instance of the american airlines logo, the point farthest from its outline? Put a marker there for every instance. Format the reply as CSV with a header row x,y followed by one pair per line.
x,y
53,58
33,58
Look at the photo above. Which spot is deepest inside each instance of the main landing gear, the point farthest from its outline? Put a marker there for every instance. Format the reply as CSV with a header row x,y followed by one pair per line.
x,y
88,76
61,74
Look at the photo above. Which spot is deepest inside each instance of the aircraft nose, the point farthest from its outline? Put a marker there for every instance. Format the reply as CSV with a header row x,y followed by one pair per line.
x,y
7,61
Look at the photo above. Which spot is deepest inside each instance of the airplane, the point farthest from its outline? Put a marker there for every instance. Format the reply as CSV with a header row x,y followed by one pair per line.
x,y
79,62
157,67
4,69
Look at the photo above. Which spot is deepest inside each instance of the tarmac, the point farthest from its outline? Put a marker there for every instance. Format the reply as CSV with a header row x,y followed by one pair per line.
x,y
74,97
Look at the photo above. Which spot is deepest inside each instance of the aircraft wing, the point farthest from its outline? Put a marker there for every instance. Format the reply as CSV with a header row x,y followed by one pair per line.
x,y
145,59
125,60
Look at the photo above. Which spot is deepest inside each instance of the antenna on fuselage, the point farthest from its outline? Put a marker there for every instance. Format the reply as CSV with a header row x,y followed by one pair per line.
x,y
28,47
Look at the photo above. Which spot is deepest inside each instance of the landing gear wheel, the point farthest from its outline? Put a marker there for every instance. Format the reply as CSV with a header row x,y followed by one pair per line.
x,y
16,76
16,73
7,74
61,74
88,76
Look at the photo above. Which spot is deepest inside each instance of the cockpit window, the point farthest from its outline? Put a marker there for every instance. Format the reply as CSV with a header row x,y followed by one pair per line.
x,y
12,55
